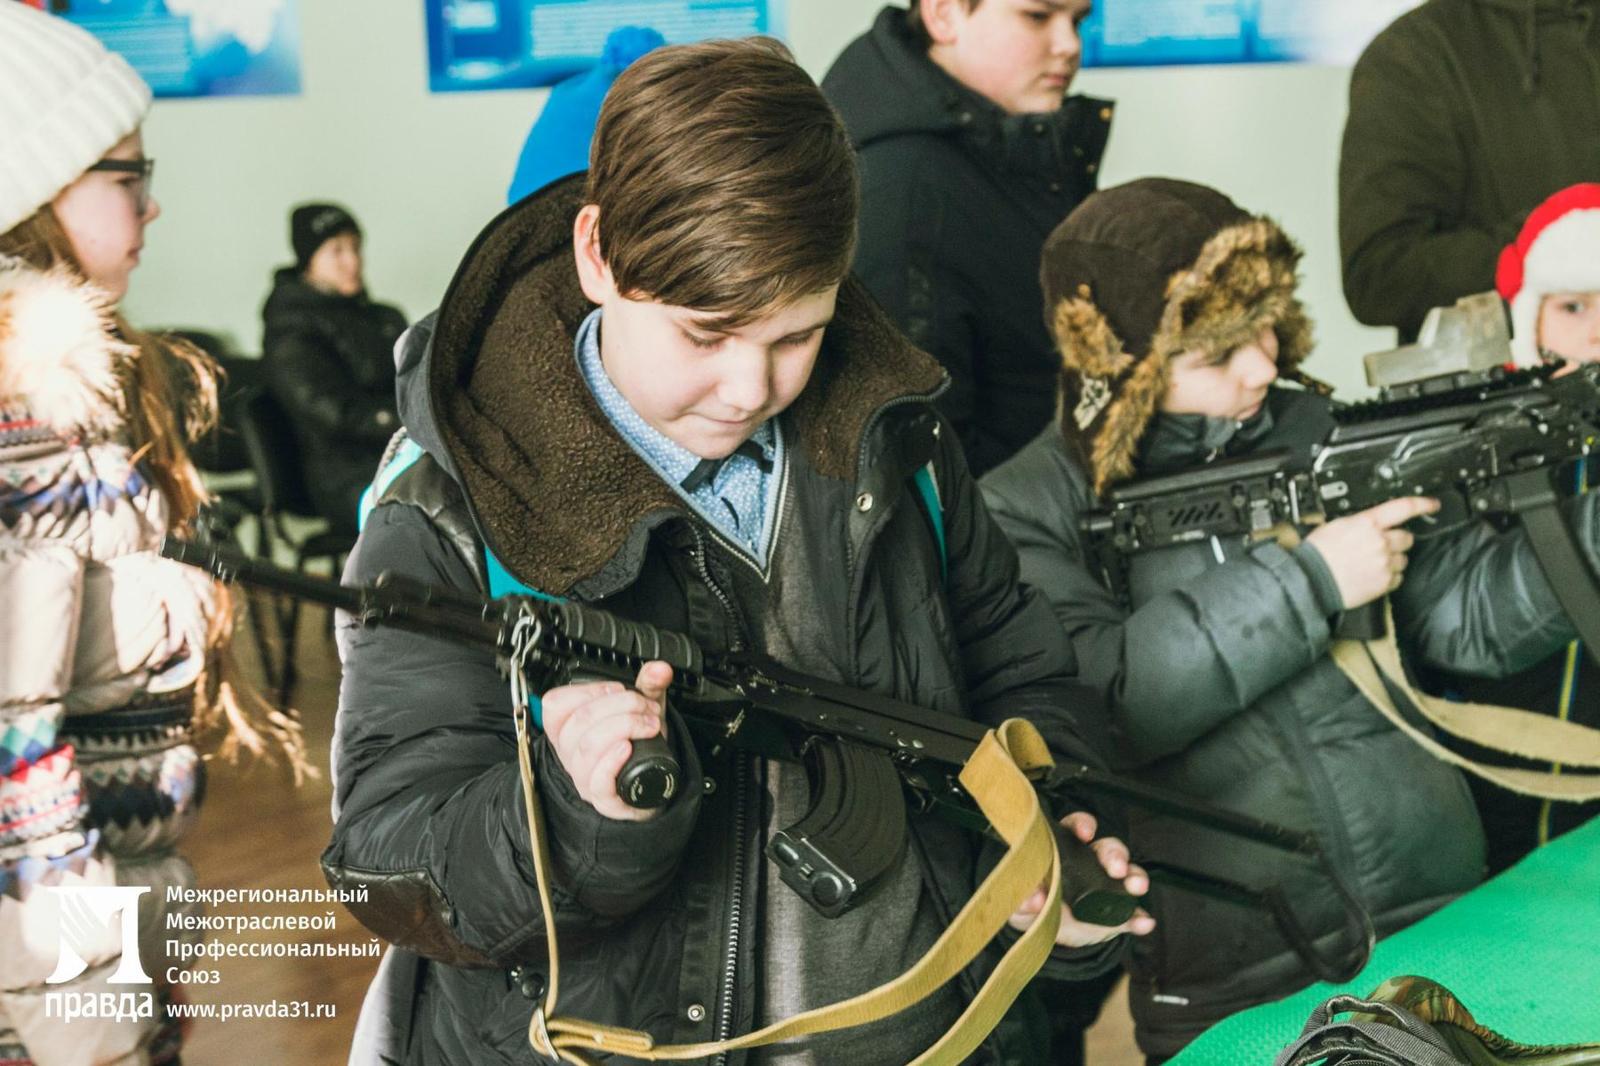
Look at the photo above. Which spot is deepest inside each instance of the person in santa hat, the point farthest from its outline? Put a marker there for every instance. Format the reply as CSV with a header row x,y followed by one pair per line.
x,y
1550,275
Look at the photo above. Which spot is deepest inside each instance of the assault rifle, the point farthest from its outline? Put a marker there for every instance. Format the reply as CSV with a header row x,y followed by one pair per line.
x,y
1490,445
864,754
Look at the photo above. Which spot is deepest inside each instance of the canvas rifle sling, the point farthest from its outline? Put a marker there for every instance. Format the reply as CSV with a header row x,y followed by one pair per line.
x,y
998,779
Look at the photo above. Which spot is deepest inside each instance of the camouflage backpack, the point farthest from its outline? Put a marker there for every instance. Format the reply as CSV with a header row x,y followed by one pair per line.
x,y
1411,1021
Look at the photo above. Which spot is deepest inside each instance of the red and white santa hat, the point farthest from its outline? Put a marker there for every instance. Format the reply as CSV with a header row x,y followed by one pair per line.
x,y
1558,250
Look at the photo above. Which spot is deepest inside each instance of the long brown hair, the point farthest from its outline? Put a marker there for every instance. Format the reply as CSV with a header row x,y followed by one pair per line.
x,y
170,390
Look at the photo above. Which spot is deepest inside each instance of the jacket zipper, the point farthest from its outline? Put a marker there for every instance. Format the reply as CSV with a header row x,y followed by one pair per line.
x,y
730,959
736,893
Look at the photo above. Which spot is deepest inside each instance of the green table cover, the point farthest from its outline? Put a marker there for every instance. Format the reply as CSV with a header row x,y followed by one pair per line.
x,y
1521,951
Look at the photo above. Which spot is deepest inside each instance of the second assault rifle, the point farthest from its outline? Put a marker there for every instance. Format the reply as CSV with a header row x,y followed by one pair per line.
x,y
865,755
1491,444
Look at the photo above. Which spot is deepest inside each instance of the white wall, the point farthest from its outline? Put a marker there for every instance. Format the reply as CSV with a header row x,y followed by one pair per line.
x,y
424,172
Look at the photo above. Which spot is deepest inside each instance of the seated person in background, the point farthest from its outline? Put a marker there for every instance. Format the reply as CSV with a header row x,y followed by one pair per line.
x,y
1176,313
329,353
1463,115
971,150
1550,275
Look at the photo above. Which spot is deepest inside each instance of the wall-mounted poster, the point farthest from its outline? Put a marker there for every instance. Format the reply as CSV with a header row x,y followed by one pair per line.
x,y
197,47
515,44
1124,33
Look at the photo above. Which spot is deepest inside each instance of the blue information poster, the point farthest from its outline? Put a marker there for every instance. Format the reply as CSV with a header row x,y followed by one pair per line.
x,y
198,47
514,44
1132,33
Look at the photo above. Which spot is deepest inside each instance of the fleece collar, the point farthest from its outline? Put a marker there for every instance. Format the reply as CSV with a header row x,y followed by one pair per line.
x,y
559,496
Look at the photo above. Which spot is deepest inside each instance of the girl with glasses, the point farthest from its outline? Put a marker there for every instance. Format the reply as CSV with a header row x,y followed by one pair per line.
x,y
112,659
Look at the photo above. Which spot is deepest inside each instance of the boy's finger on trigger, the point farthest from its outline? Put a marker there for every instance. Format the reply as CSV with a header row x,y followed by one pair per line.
x,y
1396,512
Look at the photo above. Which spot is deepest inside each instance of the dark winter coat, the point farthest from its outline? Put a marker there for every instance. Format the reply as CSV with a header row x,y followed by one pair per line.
x,y
330,363
1464,115
956,201
1514,824
1222,687
659,921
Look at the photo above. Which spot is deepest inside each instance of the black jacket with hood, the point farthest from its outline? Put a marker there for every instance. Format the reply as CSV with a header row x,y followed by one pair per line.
x,y
1217,669
659,921
329,360
1464,115
956,200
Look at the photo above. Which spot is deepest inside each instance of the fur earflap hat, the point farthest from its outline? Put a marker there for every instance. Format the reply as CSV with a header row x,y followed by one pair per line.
x,y
1558,250
1144,272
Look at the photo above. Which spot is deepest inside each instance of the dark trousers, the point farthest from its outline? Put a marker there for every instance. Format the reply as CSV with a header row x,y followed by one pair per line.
x,y
1072,1007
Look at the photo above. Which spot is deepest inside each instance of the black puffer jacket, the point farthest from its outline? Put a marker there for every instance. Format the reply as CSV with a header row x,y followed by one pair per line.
x,y
956,201
1223,687
659,920
330,362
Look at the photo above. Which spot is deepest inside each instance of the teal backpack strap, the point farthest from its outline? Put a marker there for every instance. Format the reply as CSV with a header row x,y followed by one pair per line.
x,y
406,454
933,507
501,583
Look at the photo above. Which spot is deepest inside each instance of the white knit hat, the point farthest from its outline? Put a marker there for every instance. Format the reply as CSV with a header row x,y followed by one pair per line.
x,y
1558,250
65,101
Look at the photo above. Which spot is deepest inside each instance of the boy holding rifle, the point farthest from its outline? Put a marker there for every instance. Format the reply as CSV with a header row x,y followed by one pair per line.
x,y
1175,313
655,389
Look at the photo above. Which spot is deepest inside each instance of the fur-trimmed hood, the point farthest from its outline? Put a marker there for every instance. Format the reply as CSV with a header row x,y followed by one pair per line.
x,y
61,364
496,397
1147,271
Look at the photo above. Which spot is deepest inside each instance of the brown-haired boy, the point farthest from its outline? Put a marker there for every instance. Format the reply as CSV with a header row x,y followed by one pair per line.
x,y
659,392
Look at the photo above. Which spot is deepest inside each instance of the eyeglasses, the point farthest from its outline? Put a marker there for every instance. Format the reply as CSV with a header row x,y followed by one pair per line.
x,y
140,188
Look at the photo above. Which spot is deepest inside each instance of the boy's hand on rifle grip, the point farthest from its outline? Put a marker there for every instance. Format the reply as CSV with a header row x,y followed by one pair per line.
x,y
1114,859
592,727
1366,551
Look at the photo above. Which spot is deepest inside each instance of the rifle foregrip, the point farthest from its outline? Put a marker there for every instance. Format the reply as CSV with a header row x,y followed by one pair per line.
x,y
636,640
650,777
1091,893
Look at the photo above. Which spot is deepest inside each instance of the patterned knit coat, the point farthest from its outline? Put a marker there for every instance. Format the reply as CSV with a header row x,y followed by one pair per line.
x,y
101,645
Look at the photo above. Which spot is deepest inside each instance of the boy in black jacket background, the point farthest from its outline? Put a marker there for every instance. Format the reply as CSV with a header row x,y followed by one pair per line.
x,y
971,152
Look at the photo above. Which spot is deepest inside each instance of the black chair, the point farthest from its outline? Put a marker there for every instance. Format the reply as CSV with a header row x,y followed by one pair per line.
x,y
274,455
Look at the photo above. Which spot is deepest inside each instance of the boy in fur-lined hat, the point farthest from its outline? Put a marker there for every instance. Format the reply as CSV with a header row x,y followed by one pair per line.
x,y
1178,324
